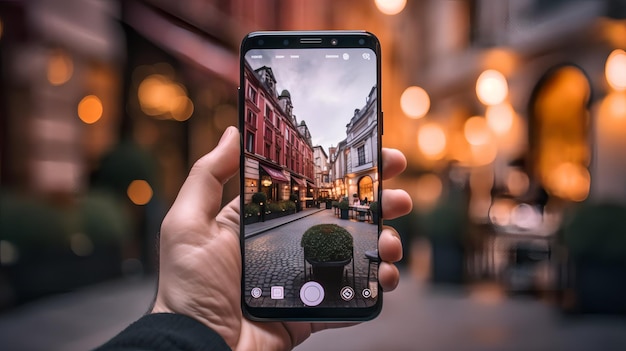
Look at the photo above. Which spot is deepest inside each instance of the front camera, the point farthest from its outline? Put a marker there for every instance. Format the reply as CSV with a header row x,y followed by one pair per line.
x,y
285,42
261,42
333,42
361,41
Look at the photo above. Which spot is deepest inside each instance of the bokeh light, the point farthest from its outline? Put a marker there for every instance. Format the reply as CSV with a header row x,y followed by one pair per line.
x,y
500,211
517,182
182,108
569,181
615,69
81,245
491,87
500,118
431,140
60,67
415,102
428,190
614,105
9,253
90,109
476,131
139,192
484,154
161,97
390,7
525,216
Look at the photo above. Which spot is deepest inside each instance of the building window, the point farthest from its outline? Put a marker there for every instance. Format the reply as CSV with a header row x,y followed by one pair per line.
x,y
250,142
269,136
251,118
361,155
269,115
268,148
366,189
252,94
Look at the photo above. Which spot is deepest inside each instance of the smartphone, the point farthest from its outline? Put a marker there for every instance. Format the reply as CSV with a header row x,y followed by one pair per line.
x,y
311,125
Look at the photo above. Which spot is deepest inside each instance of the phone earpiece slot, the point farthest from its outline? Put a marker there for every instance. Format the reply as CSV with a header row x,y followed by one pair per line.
x,y
310,40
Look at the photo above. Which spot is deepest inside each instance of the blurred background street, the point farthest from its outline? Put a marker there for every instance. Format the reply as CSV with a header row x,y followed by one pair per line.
x,y
512,115
416,317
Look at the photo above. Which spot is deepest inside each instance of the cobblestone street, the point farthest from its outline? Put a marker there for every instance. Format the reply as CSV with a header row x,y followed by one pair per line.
x,y
275,258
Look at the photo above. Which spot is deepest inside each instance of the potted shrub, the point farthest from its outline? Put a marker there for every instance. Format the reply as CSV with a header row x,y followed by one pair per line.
x,y
595,237
261,200
328,248
251,213
329,203
445,226
344,207
41,257
374,211
296,201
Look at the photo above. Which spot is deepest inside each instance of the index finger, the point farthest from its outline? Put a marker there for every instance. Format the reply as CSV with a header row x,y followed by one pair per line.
x,y
394,162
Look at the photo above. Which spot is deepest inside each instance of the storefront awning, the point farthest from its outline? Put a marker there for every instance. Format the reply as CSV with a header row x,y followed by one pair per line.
x,y
311,185
300,182
275,174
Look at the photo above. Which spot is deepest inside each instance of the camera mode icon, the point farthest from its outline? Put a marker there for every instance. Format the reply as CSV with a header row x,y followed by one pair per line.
x,y
256,292
367,293
347,293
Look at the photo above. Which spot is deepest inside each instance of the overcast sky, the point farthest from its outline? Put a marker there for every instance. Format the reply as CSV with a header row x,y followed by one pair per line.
x,y
324,91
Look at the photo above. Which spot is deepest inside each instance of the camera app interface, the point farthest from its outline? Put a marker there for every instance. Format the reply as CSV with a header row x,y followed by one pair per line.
x,y
311,178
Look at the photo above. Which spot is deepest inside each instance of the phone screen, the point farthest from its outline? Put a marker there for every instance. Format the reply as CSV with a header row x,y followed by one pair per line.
x,y
310,175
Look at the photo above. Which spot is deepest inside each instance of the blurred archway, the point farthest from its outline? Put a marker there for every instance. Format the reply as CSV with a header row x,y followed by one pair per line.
x,y
559,132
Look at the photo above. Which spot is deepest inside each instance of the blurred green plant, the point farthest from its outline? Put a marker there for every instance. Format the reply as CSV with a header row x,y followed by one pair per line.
x,y
103,218
28,223
597,231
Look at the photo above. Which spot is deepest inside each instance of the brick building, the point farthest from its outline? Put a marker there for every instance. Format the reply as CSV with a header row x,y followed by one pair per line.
x,y
278,149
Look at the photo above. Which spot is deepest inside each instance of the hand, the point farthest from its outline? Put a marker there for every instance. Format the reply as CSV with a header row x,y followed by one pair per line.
x,y
200,258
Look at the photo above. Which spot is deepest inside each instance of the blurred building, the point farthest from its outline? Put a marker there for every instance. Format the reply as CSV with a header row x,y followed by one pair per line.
x,y
521,106
105,105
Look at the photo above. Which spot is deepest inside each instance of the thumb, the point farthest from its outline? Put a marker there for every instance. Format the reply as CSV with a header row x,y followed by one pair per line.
x,y
202,190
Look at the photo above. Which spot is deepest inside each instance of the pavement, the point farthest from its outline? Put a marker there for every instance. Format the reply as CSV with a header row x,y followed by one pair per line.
x,y
416,316
262,227
275,258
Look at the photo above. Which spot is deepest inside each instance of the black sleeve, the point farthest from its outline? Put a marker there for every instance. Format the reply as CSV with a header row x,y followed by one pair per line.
x,y
166,331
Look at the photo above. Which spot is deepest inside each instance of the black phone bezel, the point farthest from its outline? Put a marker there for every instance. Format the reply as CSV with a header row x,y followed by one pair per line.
x,y
307,40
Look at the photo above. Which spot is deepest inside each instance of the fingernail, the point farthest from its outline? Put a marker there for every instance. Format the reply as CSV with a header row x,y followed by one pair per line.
x,y
225,135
